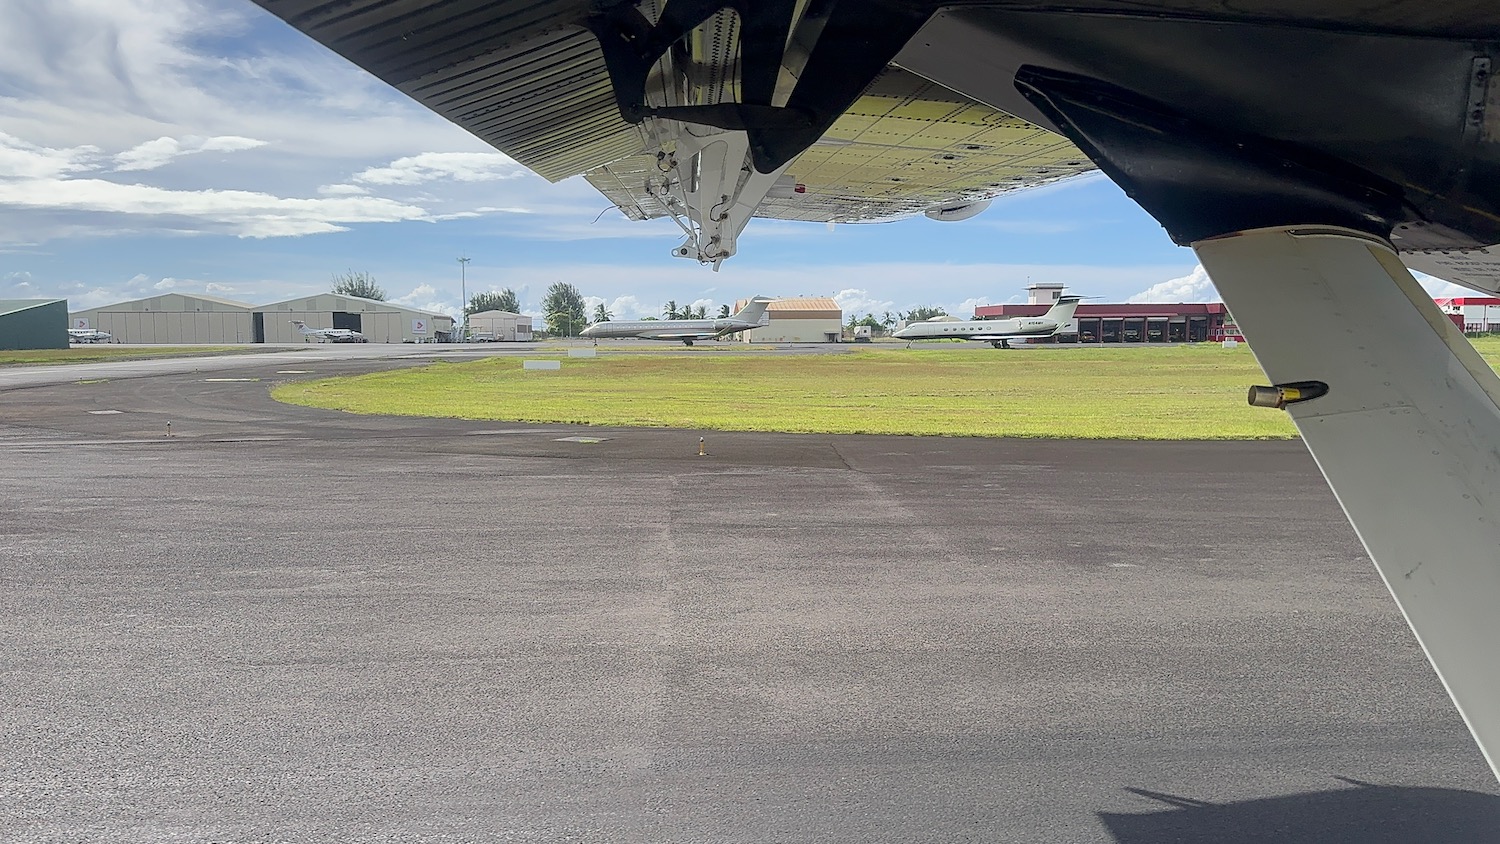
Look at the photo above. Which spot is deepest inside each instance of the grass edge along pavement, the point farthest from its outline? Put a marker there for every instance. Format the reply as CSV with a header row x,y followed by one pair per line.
x,y
1163,393
1194,392
103,352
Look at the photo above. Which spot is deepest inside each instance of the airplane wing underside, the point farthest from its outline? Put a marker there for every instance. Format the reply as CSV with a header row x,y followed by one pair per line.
x,y
531,79
905,147
663,106
680,335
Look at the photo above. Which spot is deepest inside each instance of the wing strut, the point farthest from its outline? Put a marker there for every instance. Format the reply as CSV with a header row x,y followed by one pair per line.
x,y
1400,412
1408,434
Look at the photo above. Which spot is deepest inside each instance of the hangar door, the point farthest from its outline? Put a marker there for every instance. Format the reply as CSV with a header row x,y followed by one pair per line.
x,y
343,319
258,327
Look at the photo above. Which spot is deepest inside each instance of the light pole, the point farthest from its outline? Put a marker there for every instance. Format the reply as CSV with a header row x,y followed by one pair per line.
x,y
463,286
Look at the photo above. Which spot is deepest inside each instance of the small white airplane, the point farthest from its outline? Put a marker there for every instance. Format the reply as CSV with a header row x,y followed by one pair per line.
x,y
87,335
753,315
331,335
997,332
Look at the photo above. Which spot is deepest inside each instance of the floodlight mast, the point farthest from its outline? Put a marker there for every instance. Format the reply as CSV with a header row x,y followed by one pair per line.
x,y
463,292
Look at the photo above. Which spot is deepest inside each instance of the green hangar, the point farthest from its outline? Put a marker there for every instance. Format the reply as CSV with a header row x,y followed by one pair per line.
x,y
33,324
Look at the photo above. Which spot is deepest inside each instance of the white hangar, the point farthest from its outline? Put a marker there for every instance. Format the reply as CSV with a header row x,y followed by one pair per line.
x,y
171,318
380,322
501,326
816,319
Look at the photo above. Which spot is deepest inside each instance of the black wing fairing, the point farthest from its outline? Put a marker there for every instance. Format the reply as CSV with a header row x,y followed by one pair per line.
x,y
843,47
1382,117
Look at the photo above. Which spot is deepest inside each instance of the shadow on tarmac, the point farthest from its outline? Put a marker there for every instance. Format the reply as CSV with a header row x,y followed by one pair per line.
x,y
1366,814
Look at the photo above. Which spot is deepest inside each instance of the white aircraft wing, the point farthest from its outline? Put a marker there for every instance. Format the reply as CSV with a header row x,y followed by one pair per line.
x,y
680,335
1014,335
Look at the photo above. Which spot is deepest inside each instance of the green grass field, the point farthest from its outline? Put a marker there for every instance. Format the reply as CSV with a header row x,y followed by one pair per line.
x,y
1179,392
95,352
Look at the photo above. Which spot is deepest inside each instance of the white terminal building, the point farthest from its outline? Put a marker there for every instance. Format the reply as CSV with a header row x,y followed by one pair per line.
x,y
805,320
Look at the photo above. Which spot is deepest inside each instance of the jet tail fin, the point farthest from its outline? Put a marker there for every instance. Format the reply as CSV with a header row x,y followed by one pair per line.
x,y
1062,312
754,311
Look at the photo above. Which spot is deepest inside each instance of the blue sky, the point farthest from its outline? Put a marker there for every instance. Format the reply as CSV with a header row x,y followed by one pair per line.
x,y
204,146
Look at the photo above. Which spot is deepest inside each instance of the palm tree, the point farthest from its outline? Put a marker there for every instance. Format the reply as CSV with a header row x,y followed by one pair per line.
x,y
670,311
723,312
602,314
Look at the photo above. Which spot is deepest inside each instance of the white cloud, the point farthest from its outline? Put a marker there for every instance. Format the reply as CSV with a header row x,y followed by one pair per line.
x,y
629,307
93,298
342,190
859,301
153,154
425,297
166,284
21,160
967,306
421,291
123,72
242,213
215,287
1193,287
436,166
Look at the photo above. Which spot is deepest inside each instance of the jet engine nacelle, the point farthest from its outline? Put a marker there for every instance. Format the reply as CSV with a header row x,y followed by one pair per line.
x,y
954,213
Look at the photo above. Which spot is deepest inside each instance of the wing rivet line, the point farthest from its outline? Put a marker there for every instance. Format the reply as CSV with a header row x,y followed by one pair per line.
x,y
1282,395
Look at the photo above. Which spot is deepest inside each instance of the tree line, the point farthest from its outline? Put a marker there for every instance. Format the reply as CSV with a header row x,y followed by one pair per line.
x,y
566,313
887,320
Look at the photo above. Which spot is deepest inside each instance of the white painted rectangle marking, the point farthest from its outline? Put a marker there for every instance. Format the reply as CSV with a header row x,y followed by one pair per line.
x,y
582,353
580,439
104,412
541,364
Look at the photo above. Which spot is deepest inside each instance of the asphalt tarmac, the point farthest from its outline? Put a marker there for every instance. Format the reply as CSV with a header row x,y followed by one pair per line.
x,y
289,625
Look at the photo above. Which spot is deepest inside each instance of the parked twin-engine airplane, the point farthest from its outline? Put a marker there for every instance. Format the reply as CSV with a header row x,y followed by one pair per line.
x,y
87,335
331,335
1303,149
997,332
753,315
